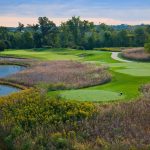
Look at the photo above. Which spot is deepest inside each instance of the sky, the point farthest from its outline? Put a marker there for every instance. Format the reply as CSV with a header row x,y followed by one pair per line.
x,y
99,11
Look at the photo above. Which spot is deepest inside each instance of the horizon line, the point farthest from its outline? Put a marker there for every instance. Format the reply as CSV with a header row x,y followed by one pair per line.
x,y
12,21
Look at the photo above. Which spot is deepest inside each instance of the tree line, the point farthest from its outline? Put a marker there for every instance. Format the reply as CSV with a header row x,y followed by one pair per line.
x,y
73,33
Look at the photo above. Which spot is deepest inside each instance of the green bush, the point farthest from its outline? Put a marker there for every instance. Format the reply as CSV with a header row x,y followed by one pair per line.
x,y
58,86
59,141
147,47
2,45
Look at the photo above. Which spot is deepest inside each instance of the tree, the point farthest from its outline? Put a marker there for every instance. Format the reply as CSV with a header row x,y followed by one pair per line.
x,y
37,40
107,39
74,31
2,45
140,36
4,33
48,29
34,27
20,27
37,36
27,40
123,38
147,47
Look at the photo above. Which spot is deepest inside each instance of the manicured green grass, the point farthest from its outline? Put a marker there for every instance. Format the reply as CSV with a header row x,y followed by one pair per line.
x,y
91,95
126,77
43,54
133,68
62,54
121,83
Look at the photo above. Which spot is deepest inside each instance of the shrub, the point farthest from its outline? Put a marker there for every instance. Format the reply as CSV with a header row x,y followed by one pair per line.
x,y
2,45
59,141
7,44
147,47
58,86
29,120
110,49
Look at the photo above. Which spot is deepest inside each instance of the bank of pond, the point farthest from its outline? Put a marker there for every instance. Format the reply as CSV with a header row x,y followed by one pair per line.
x,y
6,70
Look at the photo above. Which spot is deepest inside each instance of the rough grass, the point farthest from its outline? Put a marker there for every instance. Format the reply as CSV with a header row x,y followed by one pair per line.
x,y
70,74
6,60
124,125
29,120
138,54
110,49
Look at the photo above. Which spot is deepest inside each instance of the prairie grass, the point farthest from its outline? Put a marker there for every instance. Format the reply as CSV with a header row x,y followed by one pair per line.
x,y
138,54
17,61
71,74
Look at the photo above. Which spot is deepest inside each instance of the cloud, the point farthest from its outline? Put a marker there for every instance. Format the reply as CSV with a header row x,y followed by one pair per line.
x,y
108,11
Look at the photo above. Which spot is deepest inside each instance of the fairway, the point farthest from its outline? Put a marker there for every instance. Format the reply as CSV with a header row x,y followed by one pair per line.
x,y
127,77
62,54
133,68
135,72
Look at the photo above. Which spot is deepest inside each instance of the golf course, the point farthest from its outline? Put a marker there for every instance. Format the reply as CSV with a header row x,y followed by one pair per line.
x,y
127,77
74,75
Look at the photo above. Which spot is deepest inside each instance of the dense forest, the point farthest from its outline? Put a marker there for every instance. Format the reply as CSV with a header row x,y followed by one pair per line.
x,y
74,33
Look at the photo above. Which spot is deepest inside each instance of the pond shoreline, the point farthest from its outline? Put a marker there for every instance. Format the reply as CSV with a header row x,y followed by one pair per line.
x,y
9,61
15,85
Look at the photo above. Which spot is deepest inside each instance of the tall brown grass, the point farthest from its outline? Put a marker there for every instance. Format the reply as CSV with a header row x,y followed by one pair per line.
x,y
70,73
138,54
17,61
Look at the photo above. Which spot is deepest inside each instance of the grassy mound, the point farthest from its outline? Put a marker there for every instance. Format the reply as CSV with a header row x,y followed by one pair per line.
x,y
138,54
65,74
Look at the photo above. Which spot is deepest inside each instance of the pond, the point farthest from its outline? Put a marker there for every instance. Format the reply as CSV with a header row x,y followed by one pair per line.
x,y
5,90
6,70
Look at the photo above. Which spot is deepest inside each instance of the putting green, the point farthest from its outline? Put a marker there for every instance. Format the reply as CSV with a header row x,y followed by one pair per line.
x,y
92,95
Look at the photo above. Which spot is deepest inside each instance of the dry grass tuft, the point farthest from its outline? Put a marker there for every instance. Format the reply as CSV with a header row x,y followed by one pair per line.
x,y
138,54
69,73
125,124
17,61
146,90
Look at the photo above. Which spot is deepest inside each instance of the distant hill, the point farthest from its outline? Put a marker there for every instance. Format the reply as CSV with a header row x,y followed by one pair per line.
x,y
126,27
